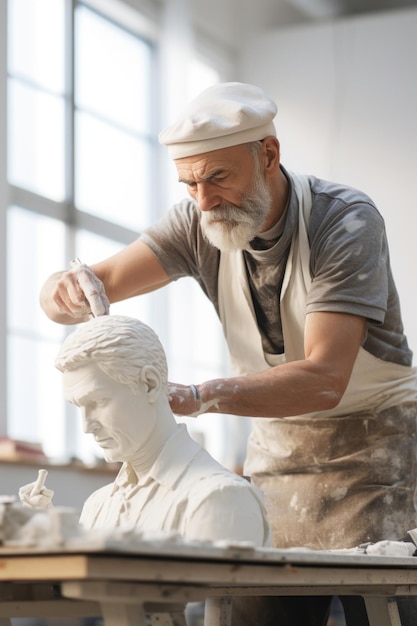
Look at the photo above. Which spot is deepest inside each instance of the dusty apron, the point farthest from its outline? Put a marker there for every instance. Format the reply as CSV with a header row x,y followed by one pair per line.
x,y
335,478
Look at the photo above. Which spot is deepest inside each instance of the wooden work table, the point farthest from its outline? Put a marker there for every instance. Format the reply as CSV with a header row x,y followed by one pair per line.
x,y
123,585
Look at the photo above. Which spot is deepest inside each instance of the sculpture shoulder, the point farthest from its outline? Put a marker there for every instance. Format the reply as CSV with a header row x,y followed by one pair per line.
x,y
228,508
93,505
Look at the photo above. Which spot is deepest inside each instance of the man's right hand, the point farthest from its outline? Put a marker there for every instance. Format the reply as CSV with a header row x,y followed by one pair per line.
x,y
93,289
76,294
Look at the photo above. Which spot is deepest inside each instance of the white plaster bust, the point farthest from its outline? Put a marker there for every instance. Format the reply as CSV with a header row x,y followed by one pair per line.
x,y
114,369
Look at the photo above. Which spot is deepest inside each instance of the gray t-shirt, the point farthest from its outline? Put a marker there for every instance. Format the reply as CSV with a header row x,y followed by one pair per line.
x,y
349,264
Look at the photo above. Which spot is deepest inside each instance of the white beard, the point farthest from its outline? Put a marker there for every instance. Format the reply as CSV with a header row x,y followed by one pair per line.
x,y
231,227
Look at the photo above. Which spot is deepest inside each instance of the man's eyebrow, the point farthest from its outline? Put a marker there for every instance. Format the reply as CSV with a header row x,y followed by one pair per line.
x,y
205,179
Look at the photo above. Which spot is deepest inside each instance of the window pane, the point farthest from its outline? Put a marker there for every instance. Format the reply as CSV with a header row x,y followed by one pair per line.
x,y
35,406
36,141
36,36
112,72
112,173
35,249
197,353
197,342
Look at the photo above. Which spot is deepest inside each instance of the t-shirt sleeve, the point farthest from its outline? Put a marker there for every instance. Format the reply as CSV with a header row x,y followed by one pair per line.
x,y
174,240
349,254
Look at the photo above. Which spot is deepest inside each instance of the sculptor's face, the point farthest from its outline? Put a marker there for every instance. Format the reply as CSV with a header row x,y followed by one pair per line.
x,y
118,420
231,193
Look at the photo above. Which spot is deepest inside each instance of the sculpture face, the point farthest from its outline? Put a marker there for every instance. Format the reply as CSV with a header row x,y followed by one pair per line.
x,y
120,421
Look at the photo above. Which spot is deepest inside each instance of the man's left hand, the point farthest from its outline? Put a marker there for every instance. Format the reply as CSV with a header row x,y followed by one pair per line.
x,y
184,399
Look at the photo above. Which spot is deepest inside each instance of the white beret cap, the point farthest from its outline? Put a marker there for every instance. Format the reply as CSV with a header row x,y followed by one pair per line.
x,y
224,115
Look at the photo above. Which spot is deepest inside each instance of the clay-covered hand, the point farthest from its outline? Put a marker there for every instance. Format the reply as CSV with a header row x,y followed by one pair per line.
x,y
185,400
93,289
79,292
35,495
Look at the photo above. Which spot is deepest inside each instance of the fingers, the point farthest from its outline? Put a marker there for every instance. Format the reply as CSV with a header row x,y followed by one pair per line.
x,y
78,293
69,296
93,290
40,501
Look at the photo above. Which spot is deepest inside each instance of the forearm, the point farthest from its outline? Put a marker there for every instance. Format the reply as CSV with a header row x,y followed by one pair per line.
x,y
316,383
68,297
288,389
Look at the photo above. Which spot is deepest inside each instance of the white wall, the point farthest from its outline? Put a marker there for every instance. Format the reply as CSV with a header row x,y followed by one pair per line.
x,y
347,99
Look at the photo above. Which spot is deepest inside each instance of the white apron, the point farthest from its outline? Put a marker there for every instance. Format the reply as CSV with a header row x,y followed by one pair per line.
x,y
332,478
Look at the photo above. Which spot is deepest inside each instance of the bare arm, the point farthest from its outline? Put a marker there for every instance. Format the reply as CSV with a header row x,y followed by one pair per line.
x,y
316,383
132,271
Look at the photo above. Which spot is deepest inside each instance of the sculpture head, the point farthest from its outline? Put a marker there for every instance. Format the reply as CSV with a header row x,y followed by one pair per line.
x,y
120,346
114,368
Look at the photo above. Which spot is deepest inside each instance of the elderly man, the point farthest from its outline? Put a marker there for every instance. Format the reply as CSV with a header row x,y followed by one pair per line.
x,y
298,271
114,369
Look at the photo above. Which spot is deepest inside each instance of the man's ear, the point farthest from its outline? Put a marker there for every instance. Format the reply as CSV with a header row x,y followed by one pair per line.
x,y
271,153
151,378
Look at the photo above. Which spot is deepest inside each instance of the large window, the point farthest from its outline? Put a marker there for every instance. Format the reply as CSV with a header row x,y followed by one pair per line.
x,y
82,151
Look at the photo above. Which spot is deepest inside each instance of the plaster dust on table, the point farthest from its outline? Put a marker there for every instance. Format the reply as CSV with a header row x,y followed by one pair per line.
x,y
57,529
23,526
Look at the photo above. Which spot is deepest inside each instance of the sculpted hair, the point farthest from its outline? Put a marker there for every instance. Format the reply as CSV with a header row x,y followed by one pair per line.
x,y
119,345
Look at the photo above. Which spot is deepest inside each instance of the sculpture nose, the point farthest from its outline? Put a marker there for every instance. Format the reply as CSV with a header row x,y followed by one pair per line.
x,y
90,425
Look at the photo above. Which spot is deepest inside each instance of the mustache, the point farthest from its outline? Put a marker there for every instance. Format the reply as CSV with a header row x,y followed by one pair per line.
x,y
226,212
